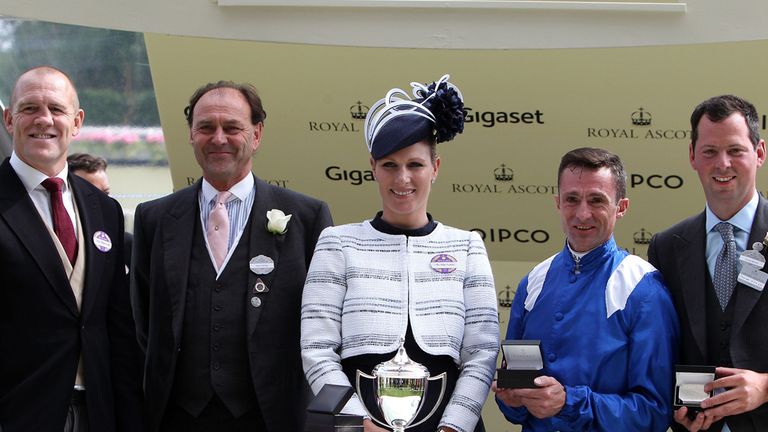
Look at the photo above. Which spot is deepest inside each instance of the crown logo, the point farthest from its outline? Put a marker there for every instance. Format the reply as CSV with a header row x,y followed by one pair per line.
x,y
642,236
641,117
502,173
358,111
506,296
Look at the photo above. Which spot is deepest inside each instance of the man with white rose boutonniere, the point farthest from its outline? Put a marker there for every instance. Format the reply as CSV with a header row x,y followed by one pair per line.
x,y
713,264
217,277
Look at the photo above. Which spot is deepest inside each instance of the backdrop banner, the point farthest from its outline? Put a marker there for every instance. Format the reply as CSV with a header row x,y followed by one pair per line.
x,y
525,109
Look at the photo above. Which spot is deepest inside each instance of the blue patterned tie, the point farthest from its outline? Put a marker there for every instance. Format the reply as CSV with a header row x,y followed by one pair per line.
x,y
725,266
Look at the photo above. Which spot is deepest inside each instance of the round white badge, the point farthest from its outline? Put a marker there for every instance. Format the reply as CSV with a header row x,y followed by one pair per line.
x,y
255,302
261,264
102,241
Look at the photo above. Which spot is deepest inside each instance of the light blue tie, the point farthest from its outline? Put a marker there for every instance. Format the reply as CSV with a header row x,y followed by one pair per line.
x,y
725,267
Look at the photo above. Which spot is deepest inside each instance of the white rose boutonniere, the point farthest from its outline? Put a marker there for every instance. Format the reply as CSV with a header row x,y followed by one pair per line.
x,y
277,222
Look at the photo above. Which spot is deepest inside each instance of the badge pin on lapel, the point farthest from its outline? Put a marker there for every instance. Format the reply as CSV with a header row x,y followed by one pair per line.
x,y
261,265
102,241
443,263
260,287
752,262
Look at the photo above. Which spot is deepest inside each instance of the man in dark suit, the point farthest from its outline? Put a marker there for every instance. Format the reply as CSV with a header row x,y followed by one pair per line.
x,y
68,342
722,322
216,283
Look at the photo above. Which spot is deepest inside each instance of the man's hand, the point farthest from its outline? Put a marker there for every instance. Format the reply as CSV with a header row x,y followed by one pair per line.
x,y
702,421
545,401
508,396
745,391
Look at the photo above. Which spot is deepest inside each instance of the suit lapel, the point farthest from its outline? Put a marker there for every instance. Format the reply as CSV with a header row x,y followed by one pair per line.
x,y
92,218
690,250
748,297
178,226
261,242
17,209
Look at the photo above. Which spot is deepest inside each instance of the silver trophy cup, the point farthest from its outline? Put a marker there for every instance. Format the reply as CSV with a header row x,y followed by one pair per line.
x,y
400,385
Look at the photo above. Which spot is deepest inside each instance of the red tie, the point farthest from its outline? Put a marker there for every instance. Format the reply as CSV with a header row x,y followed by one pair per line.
x,y
62,224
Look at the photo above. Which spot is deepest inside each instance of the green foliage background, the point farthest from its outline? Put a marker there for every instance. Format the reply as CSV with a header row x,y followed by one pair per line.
x,y
109,67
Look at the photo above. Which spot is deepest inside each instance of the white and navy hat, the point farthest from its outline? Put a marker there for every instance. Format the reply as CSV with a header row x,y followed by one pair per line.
x,y
397,121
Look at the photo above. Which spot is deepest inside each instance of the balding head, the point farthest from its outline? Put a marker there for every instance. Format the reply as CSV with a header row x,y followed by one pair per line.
x,y
43,118
35,73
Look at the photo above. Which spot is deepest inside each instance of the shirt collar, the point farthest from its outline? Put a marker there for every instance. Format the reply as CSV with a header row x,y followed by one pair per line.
x,y
577,254
240,189
30,177
592,255
741,220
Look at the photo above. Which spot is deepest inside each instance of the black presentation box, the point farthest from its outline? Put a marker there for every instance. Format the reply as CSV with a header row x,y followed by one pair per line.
x,y
323,412
522,361
689,385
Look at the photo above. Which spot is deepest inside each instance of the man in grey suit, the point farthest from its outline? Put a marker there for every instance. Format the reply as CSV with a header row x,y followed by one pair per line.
x,y
218,272
723,322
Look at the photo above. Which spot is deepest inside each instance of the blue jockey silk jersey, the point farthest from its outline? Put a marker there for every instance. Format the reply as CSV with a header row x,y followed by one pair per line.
x,y
609,335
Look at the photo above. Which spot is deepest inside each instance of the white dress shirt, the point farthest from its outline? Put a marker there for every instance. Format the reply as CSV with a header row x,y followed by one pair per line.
x,y
32,179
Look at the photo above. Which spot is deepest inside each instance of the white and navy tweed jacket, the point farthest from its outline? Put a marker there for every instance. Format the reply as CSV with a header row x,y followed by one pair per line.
x,y
362,288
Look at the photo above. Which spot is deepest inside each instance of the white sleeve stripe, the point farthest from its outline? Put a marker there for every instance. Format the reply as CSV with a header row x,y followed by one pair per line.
x,y
536,279
623,281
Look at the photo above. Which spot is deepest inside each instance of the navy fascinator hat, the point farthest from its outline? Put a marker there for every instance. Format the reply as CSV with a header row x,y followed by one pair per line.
x,y
397,121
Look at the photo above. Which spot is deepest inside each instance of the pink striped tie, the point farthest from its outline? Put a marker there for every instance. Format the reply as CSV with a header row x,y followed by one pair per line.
x,y
218,228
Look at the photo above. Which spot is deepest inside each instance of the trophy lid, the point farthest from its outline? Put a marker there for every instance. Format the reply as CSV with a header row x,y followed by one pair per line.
x,y
401,366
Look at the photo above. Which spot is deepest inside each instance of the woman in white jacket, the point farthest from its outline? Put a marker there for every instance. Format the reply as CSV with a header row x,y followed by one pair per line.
x,y
403,274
